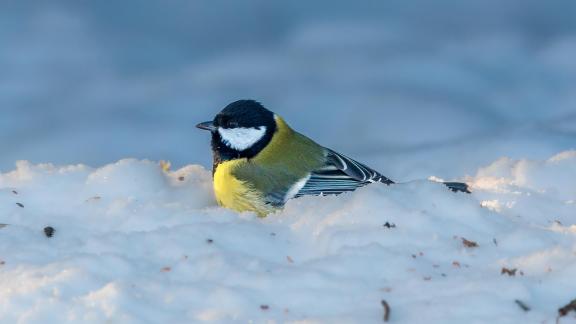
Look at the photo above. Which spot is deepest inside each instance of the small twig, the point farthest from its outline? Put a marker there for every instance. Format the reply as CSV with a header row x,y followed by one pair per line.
x,y
389,225
522,305
386,310
510,272
49,231
469,244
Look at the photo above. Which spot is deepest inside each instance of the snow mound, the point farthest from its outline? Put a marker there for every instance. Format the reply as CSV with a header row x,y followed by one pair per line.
x,y
555,175
134,243
513,186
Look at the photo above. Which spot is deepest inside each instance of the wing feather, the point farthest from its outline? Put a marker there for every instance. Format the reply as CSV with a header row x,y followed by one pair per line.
x,y
340,174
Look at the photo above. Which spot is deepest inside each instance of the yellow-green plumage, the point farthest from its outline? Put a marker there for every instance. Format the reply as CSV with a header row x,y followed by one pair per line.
x,y
249,184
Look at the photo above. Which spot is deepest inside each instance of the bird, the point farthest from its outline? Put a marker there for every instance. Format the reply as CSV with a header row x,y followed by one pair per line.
x,y
260,162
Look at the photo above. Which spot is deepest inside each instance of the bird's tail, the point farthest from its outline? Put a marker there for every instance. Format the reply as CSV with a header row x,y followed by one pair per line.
x,y
457,186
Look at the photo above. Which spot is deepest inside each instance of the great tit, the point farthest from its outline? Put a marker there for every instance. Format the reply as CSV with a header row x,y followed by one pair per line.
x,y
259,162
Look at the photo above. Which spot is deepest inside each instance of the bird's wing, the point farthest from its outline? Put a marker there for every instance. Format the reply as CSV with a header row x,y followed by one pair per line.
x,y
339,174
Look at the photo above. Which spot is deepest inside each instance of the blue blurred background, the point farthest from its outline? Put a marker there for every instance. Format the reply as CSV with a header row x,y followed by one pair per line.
x,y
412,88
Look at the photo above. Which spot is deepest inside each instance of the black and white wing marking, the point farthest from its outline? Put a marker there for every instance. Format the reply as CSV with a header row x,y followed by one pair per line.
x,y
341,174
355,169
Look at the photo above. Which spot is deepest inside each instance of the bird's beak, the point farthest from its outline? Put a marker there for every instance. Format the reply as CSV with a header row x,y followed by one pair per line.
x,y
207,126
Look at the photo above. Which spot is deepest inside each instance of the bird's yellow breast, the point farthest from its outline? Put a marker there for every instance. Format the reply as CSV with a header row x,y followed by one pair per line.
x,y
240,184
236,194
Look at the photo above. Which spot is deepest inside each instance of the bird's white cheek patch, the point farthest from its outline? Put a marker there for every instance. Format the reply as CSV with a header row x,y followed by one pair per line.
x,y
241,138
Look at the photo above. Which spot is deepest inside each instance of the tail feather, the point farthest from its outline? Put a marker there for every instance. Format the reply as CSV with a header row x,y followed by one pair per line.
x,y
457,187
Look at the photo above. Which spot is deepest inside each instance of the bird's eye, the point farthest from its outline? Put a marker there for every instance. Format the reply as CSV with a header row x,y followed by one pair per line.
x,y
232,124
221,120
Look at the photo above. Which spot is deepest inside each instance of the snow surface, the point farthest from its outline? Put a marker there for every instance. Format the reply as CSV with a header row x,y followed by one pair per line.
x,y
134,243
478,91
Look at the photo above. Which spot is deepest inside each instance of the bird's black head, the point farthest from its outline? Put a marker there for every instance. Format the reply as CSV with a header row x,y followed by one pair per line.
x,y
241,130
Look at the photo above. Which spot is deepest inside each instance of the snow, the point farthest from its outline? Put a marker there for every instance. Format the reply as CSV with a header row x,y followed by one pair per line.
x,y
135,243
479,92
